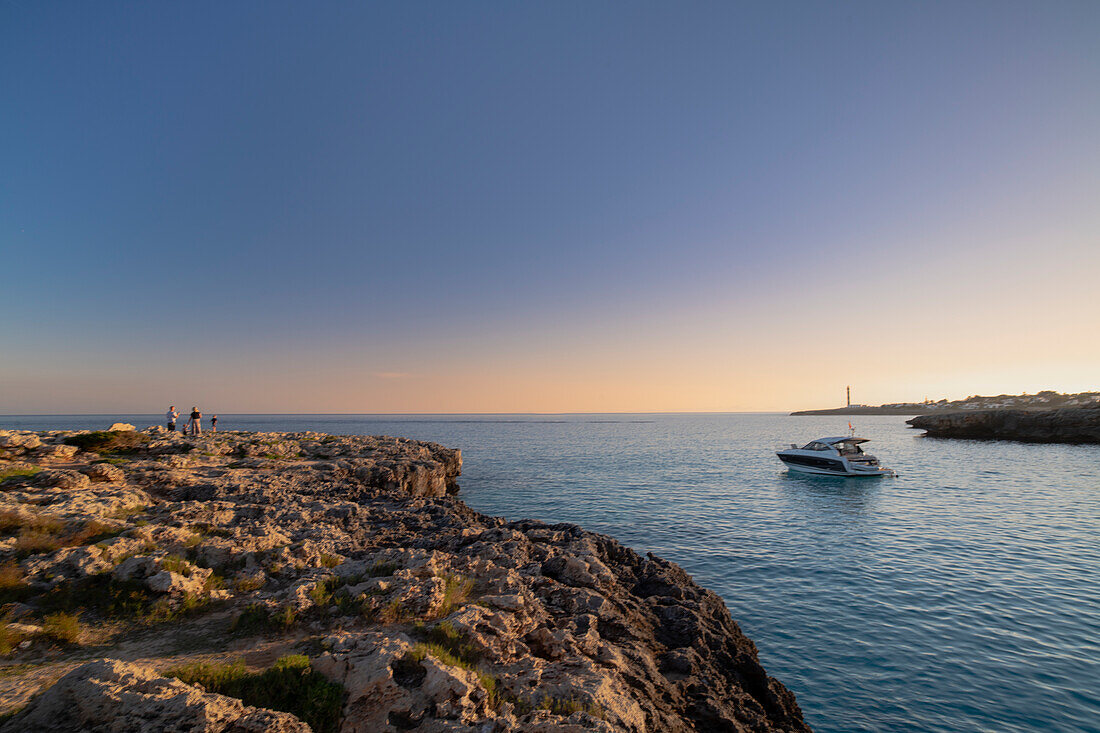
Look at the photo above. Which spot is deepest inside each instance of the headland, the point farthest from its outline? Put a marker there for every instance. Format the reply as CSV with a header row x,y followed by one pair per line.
x,y
302,581
1066,425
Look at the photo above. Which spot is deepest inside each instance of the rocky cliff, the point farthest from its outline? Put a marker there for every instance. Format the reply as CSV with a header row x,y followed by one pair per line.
x,y
1067,425
188,566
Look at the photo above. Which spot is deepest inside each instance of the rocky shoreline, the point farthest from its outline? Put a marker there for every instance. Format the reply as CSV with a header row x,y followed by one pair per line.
x,y
144,574
1066,425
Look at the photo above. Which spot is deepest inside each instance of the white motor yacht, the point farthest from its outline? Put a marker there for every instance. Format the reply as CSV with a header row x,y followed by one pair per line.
x,y
833,457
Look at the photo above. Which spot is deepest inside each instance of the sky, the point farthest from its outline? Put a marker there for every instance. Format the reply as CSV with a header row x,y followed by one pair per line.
x,y
439,207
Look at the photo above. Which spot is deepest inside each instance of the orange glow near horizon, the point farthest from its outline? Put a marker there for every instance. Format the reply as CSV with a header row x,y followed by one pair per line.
x,y
718,352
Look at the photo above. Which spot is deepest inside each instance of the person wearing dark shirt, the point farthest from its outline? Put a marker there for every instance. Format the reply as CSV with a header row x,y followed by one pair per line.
x,y
196,421
214,424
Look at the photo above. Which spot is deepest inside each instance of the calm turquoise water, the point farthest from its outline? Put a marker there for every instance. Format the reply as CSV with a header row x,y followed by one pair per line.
x,y
962,596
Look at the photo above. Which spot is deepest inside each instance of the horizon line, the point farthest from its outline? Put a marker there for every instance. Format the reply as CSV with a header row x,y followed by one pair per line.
x,y
398,414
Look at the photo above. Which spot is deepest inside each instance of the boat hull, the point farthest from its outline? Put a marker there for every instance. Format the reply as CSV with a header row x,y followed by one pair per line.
x,y
829,467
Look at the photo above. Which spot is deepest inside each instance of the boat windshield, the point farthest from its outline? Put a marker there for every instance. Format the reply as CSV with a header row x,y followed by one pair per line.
x,y
816,445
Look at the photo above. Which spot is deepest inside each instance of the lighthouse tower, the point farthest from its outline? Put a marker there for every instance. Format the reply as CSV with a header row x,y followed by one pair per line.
x,y
849,390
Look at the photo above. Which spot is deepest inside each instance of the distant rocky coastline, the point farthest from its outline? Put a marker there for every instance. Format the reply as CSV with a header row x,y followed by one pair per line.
x,y
1045,400
1066,425
863,410
302,581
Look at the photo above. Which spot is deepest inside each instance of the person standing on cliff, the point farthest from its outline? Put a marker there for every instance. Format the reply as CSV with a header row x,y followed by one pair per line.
x,y
171,416
196,421
214,424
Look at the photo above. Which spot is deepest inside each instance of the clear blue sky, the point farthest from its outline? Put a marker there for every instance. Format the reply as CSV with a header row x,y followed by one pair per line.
x,y
462,206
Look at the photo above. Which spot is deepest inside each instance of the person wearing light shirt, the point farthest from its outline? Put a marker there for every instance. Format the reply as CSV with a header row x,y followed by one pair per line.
x,y
171,416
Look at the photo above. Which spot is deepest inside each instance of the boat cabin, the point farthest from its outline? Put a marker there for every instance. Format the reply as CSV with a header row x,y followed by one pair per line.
x,y
845,446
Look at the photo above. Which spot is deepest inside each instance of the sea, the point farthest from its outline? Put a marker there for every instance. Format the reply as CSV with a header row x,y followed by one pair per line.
x,y
962,595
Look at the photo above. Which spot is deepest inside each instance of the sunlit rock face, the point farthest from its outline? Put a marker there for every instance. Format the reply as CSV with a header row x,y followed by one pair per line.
x,y
355,551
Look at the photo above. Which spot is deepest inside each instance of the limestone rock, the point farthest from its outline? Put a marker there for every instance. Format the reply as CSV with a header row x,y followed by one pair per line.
x,y
53,490
18,440
511,602
435,617
454,693
109,695
25,629
117,549
137,568
59,478
182,579
365,667
60,453
121,427
104,472
68,563
1066,425
167,581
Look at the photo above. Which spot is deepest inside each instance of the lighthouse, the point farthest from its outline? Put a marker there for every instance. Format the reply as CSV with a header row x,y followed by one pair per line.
x,y
849,391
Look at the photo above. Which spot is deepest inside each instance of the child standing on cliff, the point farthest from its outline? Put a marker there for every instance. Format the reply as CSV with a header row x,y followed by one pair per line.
x,y
214,424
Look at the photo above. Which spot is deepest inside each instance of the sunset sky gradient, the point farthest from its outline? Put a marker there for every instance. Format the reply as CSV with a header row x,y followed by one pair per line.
x,y
545,207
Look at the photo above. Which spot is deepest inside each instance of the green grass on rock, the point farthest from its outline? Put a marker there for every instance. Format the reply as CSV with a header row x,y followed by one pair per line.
x,y
289,685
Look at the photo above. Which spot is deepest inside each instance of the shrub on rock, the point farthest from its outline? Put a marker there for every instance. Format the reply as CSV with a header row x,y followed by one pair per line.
x,y
289,685
104,442
62,627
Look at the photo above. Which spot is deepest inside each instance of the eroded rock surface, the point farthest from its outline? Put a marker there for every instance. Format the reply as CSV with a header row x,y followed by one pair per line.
x,y
109,695
433,617
1067,425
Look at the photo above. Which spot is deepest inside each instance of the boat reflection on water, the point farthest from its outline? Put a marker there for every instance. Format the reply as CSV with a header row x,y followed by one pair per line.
x,y
827,495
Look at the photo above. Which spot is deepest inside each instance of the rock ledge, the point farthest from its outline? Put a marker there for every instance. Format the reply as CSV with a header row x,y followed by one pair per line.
x,y
1066,425
354,551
